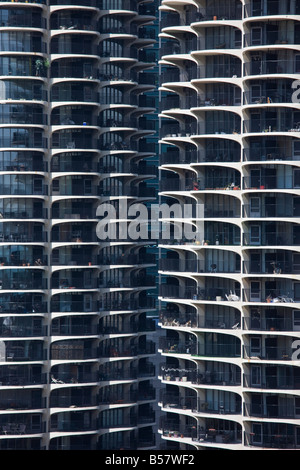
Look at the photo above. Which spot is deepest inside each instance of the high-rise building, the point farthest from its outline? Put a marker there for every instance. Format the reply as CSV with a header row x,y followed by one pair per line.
x,y
75,366
230,296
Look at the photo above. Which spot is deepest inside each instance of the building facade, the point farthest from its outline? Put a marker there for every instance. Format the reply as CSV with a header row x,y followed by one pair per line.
x,y
75,367
230,295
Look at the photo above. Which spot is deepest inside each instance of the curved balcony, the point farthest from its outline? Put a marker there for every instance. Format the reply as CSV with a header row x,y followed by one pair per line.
x,y
230,375
229,348
275,318
70,397
223,262
21,375
201,407
73,209
268,209
22,279
79,19
14,327
11,232
20,424
75,233
22,303
73,44
280,352
270,291
20,255
18,208
34,66
283,62
282,377
28,185
73,279
260,234
22,90
73,68
73,91
120,350
71,162
81,138
74,186
73,422
19,17
23,351
260,437
219,12
267,178
73,350
217,435
22,41
21,161
272,8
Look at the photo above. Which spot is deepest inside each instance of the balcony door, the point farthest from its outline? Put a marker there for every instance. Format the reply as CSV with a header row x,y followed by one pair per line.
x,y
255,346
256,94
298,436
256,36
255,263
255,207
255,376
255,292
297,291
255,235
257,8
296,178
296,206
257,434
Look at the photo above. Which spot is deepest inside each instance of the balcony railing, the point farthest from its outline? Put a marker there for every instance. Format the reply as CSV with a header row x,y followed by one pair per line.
x,y
73,71
271,125
148,348
74,330
199,435
74,283
271,8
270,239
25,284
281,381
73,353
198,377
269,353
66,47
266,97
195,266
21,306
281,38
270,182
213,294
19,426
270,67
75,426
279,295
269,323
269,441
283,210
231,69
21,378
272,153
220,11
73,306
65,401
21,331
198,406
282,267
